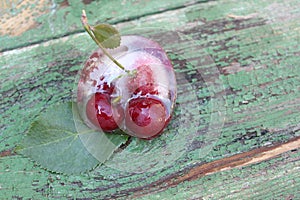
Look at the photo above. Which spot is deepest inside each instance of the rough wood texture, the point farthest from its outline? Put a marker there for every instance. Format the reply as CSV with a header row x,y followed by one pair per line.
x,y
240,63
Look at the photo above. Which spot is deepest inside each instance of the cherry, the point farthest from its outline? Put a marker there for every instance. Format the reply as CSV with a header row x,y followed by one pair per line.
x,y
146,89
101,113
143,82
105,87
145,117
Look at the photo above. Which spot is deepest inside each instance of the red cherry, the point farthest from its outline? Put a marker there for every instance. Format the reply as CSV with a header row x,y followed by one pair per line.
x,y
105,88
143,82
146,89
145,117
101,113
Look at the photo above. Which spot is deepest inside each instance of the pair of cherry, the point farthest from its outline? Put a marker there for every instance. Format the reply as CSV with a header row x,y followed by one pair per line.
x,y
144,115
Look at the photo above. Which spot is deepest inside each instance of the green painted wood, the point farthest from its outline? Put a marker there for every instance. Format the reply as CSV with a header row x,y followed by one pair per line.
x,y
256,53
275,179
57,18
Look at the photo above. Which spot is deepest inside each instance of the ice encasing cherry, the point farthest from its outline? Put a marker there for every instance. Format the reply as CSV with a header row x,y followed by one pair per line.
x,y
139,102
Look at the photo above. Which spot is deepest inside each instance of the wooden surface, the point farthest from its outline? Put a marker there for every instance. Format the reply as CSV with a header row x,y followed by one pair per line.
x,y
241,63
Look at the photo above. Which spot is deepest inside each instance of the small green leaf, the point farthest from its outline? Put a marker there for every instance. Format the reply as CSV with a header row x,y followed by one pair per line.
x,y
57,141
107,35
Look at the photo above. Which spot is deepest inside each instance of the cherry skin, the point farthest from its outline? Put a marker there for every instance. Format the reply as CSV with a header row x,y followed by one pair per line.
x,y
101,113
145,117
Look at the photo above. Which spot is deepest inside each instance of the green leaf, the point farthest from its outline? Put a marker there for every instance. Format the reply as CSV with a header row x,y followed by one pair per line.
x,y
58,141
107,35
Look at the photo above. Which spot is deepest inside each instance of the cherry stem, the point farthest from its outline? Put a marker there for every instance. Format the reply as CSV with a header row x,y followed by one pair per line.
x,y
88,29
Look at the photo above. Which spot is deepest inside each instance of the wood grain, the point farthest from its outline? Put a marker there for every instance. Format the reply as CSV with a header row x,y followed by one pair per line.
x,y
229,163
241,61
32,22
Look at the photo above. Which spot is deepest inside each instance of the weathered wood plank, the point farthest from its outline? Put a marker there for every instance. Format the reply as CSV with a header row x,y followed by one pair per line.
x,y
222,179
229,163
275,179
260,97
30,22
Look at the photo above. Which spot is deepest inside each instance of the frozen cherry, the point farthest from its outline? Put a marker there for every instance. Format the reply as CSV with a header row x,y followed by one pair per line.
x,y
100,112
131,86
145,117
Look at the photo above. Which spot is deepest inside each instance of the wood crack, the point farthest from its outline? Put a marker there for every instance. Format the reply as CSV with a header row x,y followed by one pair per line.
x,y
236,161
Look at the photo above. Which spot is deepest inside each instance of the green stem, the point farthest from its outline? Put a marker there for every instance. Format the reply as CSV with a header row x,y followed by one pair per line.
x,y
88,29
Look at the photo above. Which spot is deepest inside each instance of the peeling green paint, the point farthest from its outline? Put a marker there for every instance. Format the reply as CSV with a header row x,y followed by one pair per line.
x,y
60,21
260,101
